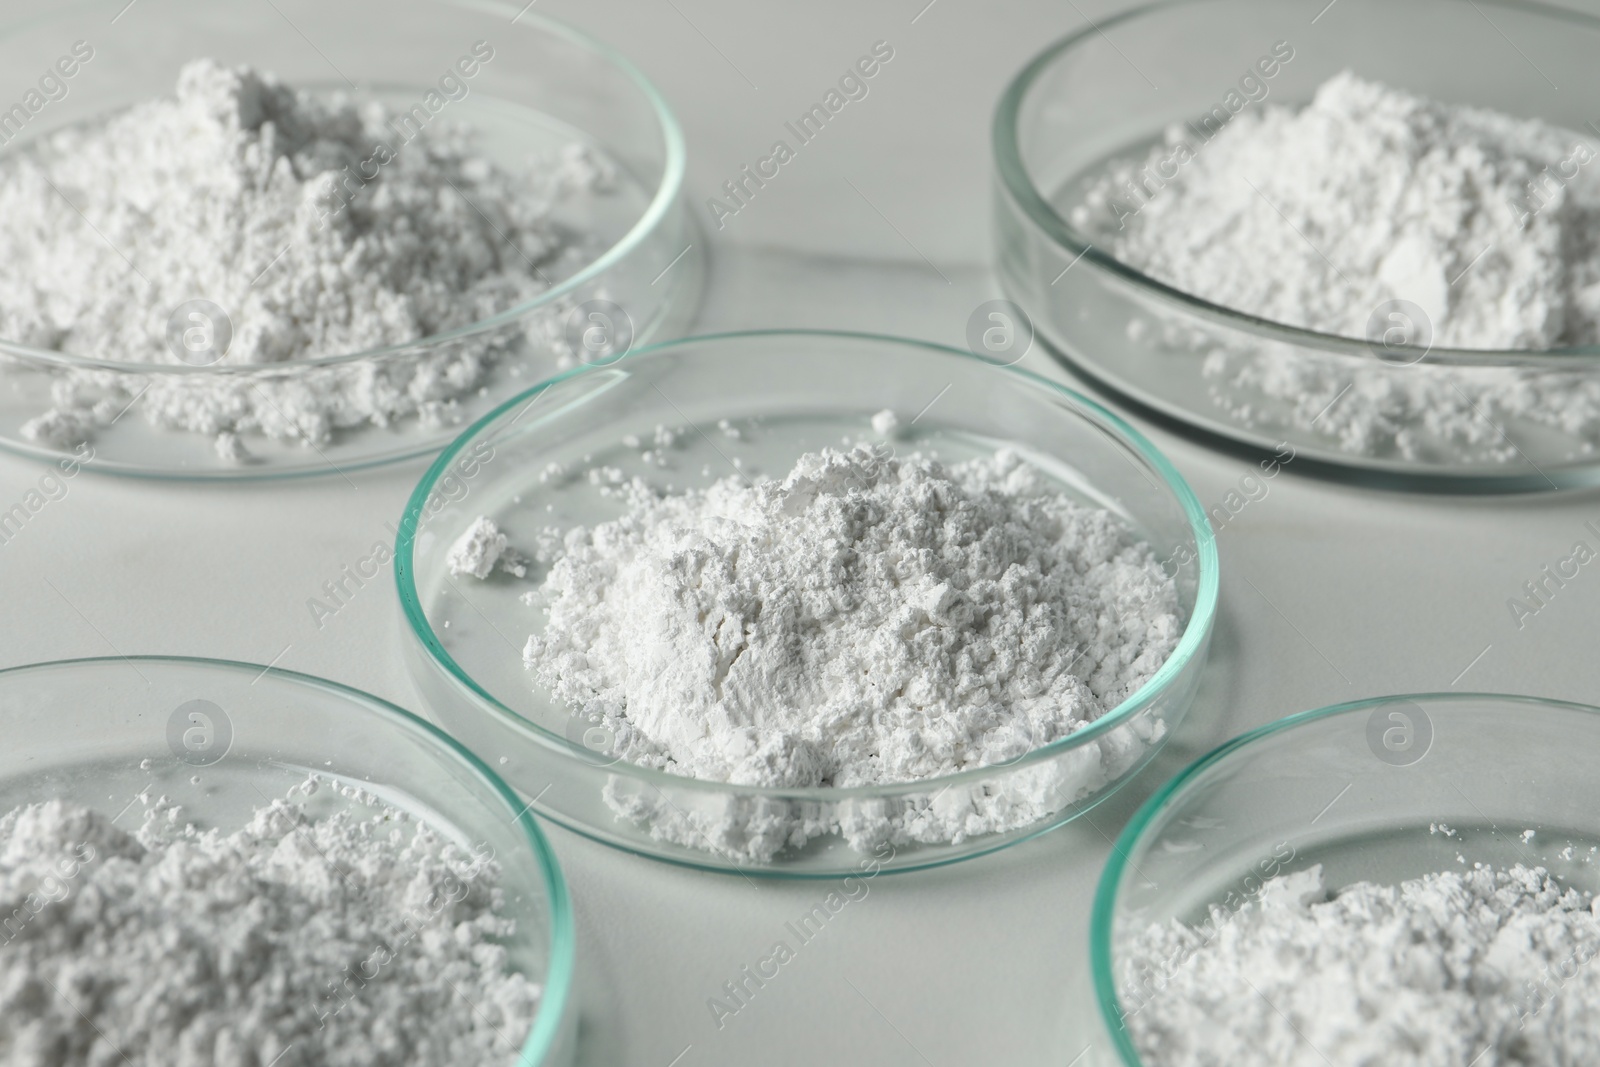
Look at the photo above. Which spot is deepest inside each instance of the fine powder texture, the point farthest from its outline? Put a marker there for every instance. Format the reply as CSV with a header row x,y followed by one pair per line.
x,y
1315,217
254,196
1318,217
1481,968
344,941
865,619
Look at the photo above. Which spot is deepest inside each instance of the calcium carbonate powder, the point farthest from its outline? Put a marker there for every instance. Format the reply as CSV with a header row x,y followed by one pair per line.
x,y
356,940
310,227
1479,968
865,619
1319,217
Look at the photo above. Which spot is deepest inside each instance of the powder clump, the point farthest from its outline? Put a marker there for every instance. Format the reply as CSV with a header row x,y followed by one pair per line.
x,y
480,549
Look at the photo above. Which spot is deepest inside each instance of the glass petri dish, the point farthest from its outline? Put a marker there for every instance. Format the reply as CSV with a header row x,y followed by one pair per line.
x,y
547,87
1349,407
97,732
782,393
1358,788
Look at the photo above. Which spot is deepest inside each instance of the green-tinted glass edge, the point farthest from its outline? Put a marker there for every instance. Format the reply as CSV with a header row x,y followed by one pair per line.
x,y
670,187
1196,631
1016,183
1101,913
547,1023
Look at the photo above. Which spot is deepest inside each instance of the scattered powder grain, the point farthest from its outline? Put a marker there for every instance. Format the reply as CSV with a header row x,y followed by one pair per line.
x,y
866,619
1317,217
481,549
346,941
238,191
1479,968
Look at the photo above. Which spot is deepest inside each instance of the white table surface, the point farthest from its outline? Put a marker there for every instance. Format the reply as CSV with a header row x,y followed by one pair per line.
x,y
1328,593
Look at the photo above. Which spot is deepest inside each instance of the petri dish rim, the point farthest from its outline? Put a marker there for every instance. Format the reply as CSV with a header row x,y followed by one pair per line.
x,y
661,203
546,1028
1101,913
1019,186
1196,629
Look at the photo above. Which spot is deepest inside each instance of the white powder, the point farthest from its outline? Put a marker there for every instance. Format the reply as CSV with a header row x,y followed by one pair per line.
x,y
1486,967
1318,217
247,193
1314,217
866,619
481,549
347,941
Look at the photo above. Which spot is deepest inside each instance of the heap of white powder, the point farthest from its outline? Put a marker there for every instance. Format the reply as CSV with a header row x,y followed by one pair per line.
x,y
864,619
279,208
344,941
1479,968
1319,216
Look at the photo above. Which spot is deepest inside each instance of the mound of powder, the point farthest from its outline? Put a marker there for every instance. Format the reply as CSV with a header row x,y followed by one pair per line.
x,y
1320,216
1316,216
318,227
865,619
1480,968
343,941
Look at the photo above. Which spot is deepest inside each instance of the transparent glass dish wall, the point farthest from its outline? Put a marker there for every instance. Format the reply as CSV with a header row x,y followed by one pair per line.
x,y
223,738
547,86
1110,91
1357,788
785,393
